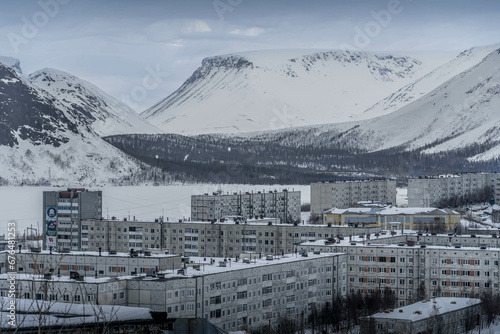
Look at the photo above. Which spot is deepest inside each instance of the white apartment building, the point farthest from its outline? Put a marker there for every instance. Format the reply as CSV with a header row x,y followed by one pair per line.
x,y
429,190
345,194
284,205
231,295
437,271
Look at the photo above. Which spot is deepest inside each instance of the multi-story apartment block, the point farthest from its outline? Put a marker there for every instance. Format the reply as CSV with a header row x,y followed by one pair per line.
x,y
284,205
221,239
96,264
417,269
229,294
394,218
63,212
345,194
121,236
430,190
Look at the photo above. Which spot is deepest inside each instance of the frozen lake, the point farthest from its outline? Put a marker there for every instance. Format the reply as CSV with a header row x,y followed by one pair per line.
x,y
24,204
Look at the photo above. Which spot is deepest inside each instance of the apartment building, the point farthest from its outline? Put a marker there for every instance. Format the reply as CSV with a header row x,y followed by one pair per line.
x,y
411,269
394,218
430,190
229,238
95,264
284,205
229,294
345,194
63,212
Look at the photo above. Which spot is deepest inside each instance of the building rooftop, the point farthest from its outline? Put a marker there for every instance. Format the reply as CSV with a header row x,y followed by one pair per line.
x,y
427,308
154,253
57,314
209,266
392,210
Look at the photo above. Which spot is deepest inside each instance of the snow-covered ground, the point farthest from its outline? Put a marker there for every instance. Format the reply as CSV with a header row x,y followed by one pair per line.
x,y
402,197
24,204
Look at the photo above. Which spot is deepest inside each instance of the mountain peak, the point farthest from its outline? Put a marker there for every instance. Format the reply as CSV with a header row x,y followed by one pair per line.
x,y
265,90
12,63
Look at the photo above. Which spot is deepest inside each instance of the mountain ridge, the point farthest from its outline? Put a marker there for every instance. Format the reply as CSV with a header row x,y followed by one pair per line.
x,y
265,90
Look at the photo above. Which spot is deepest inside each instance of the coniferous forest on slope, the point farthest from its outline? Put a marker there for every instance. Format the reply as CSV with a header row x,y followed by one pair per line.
x,y
284,160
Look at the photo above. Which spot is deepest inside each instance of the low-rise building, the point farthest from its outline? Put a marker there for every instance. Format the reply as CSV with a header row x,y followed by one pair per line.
x,y
394,218
439,315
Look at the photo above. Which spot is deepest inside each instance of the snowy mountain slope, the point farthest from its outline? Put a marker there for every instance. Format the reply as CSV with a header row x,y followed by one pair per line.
x,y
465,107
108,115
42,140
268,90
430,81
462,112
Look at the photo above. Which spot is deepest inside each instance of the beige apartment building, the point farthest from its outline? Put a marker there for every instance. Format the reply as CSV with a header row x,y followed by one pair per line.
x,y
394,218
229,238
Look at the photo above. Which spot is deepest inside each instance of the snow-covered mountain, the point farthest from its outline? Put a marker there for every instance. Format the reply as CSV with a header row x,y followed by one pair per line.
x,y
45,139
430,81
462,112
107,115
268,90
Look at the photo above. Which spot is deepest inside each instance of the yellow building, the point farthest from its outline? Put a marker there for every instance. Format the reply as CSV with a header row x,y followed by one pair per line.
x,y
393,218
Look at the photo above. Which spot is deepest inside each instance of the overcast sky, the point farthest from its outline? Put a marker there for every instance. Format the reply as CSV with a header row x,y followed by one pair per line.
x,y
115,44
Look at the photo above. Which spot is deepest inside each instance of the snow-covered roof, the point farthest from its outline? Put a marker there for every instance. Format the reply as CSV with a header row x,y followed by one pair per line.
x,y
96,254
392,210
67,314
425,309
55,278
206,268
